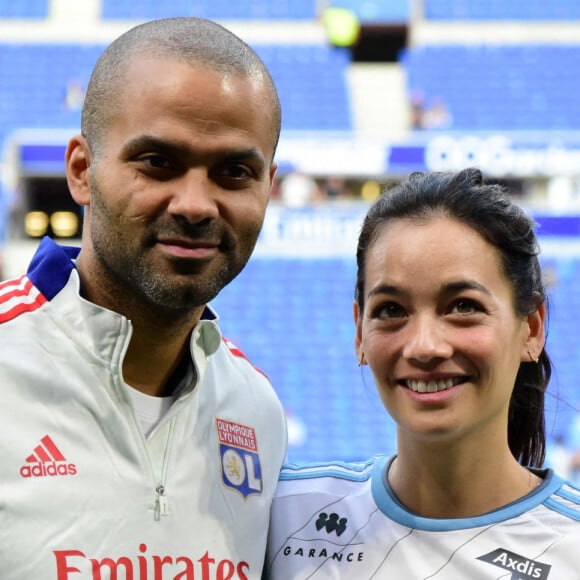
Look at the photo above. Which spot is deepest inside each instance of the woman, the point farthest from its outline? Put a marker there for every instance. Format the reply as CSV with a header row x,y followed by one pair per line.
x,y
450,315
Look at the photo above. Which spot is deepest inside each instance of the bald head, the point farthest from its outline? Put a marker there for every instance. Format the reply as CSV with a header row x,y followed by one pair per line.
x,y
194,41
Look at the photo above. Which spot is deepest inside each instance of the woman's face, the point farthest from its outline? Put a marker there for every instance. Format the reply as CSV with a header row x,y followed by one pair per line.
x,y
439,330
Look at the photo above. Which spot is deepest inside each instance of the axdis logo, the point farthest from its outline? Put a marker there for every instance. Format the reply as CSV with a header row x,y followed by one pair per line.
x,y
240,461
47,461
521,568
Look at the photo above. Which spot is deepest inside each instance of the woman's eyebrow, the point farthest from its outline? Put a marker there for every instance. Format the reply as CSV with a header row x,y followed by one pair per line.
x,y
461,285
448,288
387,289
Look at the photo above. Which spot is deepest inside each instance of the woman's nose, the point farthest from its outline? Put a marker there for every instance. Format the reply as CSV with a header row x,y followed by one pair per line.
x,y
427,340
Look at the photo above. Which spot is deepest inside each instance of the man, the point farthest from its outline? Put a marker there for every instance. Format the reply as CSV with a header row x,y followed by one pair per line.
x,y
137,442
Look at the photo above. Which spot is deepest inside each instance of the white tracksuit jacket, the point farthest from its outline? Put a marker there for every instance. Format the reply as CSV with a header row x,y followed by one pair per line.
x,y
83,494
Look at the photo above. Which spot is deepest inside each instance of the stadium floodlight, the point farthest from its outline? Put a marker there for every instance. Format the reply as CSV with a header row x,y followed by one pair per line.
x,y
64,224
36,224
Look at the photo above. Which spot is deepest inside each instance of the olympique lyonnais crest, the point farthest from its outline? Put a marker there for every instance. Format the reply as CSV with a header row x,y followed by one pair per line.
x,y
239,456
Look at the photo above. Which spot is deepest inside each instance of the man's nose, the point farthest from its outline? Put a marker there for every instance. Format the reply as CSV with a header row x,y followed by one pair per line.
x,y
194,196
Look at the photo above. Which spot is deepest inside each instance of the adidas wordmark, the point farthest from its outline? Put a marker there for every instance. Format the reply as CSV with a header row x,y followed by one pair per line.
x,y
47,460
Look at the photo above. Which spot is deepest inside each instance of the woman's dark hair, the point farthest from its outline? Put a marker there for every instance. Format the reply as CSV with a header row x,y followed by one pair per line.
x,y
489,210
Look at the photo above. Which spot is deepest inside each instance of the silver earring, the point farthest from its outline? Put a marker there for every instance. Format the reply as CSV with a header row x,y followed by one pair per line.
x,y
532,357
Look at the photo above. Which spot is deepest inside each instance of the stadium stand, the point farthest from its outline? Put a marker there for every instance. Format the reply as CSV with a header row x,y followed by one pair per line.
x,y
377,11
534,10
27,9
35,80
510,88
311,80
212,9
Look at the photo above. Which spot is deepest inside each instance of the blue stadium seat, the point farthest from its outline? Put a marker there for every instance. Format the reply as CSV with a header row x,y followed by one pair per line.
x,y
377,11
212,9
311,80
37,83
24,9
502,10
484,87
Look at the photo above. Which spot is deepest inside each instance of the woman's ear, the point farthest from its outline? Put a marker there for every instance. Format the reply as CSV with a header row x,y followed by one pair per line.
x,y
535,341
78,164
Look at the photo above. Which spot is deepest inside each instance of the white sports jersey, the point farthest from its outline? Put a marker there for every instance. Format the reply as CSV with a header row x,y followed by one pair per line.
x,y
83,493
342,521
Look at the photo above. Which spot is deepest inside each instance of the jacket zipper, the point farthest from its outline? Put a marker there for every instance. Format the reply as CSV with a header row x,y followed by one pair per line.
x,y
161,502
161,508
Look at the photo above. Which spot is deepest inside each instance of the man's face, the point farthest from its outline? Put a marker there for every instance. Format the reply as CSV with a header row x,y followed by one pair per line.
x,y
179,186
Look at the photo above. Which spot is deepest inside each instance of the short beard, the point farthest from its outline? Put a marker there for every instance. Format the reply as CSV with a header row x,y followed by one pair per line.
x,y
131,276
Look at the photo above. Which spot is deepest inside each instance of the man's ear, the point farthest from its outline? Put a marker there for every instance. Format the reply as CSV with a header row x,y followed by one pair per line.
x,y
78,160
273,169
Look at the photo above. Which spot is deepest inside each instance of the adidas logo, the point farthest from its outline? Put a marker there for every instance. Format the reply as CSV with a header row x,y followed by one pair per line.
x,y
47,460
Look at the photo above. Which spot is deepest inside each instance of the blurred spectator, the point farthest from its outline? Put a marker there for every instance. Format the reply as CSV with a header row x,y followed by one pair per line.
x,y
429,116
298,189
416,106
436,116
335,187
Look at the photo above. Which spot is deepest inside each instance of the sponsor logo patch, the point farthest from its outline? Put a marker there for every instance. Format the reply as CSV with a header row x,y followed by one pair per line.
x,y
331,523
47,460
521,568
240,461
145,566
